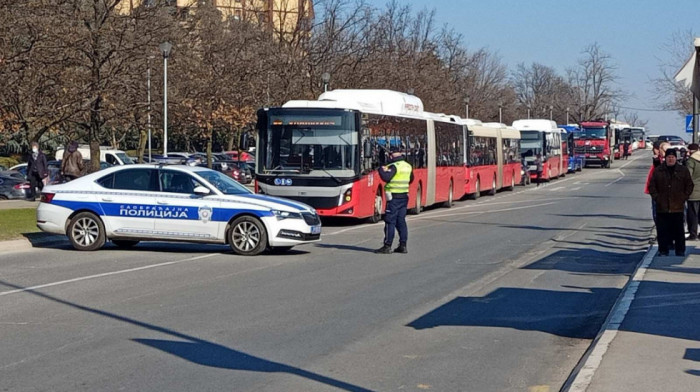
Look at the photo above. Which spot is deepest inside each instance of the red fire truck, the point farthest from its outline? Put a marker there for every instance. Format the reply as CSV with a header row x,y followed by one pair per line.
x,y
595,142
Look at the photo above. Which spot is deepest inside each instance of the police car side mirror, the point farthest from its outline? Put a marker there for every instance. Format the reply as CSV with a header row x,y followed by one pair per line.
x,y
201,191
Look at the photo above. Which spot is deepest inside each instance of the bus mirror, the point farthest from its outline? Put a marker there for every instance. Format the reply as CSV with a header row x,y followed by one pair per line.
x,y
243,141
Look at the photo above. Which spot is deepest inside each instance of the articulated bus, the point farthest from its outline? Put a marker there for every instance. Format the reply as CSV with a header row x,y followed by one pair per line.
x,y
493,160
326,153
541,137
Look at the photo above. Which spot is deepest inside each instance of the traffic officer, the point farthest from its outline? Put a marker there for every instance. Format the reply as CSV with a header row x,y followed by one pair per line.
x,y
397,174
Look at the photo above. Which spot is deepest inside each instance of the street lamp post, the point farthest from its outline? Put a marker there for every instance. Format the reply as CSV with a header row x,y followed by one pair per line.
x,y
551,107
500,112
567,115
466,103
528,112
165,48
696,101
326,78
148,79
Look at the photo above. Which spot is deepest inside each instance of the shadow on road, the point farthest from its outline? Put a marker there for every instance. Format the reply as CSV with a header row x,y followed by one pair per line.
x,y
571,314
692,354
200,351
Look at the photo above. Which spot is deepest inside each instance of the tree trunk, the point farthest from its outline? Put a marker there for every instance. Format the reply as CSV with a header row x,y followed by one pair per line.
x,y
210,135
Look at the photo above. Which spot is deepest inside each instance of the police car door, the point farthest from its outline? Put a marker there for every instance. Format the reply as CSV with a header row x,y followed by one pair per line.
x,y
129,201
185,215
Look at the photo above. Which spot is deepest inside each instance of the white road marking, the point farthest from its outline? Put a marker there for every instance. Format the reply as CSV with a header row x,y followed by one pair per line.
x,y
432,213
618,180
610,327
41,286
446,214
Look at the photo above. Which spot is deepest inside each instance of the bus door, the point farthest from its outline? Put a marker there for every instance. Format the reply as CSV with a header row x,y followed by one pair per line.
x,y
432,171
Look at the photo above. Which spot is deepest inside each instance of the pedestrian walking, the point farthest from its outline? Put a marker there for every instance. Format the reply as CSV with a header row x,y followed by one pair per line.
x,y
670,186
625,149
37,170
397,174
693,203
539,167
72,165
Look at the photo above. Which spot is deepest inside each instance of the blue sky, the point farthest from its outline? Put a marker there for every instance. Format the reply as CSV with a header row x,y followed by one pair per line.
x,y
555,32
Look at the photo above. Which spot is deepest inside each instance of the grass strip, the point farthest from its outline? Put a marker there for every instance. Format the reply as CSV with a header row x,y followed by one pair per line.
x,y
15,222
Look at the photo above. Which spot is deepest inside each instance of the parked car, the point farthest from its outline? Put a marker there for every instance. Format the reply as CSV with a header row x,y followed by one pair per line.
x,y
13,173
672,139
54,171
129,204
241,175
12,187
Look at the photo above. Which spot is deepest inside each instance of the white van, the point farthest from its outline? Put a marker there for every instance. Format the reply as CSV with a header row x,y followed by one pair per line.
x,y
107,154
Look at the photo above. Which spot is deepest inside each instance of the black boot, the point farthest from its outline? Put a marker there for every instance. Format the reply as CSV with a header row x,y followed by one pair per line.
x,y
401,248
385,249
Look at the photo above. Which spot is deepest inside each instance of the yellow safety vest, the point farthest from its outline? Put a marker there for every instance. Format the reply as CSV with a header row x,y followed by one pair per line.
x,y
399,183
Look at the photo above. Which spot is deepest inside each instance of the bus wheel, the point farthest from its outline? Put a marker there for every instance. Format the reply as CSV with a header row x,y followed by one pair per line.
x,y
450,196
417,209
492,192
477,192
377,215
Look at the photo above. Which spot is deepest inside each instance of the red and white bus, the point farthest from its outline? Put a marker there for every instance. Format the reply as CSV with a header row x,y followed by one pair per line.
x,y
326,153
542,137
493,157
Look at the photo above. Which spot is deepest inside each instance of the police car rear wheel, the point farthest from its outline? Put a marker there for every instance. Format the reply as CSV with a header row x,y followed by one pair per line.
x,y
86,232
125,243
247,236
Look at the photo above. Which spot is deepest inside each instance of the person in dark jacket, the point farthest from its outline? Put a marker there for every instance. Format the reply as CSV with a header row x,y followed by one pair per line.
x,y
625,149
397,174
72,165
37,170
693,203
670,186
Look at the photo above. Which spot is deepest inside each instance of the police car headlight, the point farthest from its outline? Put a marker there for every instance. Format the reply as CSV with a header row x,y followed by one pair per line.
x,y
281,215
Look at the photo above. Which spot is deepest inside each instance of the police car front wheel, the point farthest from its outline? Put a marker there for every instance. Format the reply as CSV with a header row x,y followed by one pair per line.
x,y
86,232
247,236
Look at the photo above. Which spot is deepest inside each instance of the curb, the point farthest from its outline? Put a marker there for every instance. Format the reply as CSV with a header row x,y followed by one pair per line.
x,y
24,244
581,377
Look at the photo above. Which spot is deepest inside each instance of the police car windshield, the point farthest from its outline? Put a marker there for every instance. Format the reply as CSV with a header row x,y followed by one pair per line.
x,y
224,183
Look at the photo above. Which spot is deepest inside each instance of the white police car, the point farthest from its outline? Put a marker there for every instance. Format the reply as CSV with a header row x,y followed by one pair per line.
x,y
128,204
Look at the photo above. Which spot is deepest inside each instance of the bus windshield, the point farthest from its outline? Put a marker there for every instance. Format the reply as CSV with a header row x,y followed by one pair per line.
x,y
530,143
591,133
309,142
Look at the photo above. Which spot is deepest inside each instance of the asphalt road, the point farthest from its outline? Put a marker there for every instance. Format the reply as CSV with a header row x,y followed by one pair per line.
x,y
504,293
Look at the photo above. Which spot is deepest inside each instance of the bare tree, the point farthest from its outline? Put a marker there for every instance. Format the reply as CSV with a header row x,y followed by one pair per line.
x,y
593,90
669,93
539,89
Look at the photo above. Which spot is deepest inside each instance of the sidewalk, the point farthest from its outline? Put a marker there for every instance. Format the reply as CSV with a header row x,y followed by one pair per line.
x,y
12,204
655,346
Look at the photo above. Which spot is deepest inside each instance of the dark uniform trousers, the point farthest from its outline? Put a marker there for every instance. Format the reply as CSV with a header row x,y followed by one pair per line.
x,y
395,219
670,231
